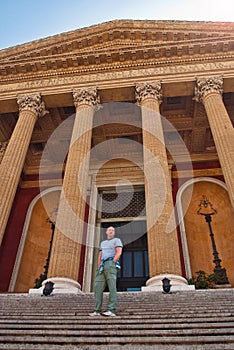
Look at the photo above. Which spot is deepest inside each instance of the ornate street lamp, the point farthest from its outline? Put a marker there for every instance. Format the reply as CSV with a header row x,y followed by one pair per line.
x,y
206,209
46,267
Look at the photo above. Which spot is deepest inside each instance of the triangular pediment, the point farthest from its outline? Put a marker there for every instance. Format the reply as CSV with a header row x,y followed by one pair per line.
x,y
118,41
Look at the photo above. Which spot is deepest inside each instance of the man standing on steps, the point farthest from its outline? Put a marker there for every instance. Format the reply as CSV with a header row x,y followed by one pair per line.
x,y
108,264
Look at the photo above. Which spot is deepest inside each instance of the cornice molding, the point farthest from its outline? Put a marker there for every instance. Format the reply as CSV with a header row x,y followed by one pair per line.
x,y
115,45
117,42
126,26
97,60
113,67
130,24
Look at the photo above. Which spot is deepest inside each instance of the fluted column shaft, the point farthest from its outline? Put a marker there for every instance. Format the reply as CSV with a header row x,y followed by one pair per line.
x,y
163,247
66,249
209,92
31,107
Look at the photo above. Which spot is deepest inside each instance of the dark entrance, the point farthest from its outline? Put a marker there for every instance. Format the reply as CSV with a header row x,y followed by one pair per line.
x,y
134,260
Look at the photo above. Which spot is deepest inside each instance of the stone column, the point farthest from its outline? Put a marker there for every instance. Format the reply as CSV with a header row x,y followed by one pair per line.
x,y
66,249
31,108
209,92
163,249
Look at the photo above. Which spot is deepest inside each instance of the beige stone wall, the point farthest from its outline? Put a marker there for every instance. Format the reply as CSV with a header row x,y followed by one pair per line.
x,y
197,231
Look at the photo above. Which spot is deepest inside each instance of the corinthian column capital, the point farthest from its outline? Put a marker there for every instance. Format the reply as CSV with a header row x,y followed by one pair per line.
x,y
87,96
32,103
205,86
149,90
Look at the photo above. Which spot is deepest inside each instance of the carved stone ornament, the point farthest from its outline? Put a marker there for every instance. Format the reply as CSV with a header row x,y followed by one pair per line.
x,y
87,96
149,90
205,86
32,103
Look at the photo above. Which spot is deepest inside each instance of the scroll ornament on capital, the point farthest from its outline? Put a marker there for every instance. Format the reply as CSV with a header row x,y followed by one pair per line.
x,y
205,86
87,96
32,103
149,90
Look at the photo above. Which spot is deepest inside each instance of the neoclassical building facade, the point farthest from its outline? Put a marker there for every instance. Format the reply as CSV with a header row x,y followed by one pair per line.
x,y
126,123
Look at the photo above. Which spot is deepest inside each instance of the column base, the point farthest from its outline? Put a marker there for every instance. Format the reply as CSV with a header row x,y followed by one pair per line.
x,y
177,283
61,286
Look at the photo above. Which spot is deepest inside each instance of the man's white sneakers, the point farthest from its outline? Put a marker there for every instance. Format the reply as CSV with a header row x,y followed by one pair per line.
x,y
106,313
94,314
109,314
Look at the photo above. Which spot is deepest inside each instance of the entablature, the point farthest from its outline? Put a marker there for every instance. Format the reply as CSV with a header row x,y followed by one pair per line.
x,y
177,80
118,45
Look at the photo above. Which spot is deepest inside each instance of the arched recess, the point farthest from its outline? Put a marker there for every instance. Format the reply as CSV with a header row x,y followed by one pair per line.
x,y
196,242
35,241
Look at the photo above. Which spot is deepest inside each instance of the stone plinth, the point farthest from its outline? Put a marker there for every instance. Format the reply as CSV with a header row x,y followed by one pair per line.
x,y
177,283
61,286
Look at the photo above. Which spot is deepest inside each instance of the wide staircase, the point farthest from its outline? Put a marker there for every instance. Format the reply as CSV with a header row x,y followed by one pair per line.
x,y
180,320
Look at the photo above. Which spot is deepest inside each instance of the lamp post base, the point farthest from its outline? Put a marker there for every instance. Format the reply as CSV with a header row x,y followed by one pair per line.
x,y
221,276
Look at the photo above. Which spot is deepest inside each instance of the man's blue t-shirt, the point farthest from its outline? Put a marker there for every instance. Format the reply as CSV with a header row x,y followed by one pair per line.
x,y
108,247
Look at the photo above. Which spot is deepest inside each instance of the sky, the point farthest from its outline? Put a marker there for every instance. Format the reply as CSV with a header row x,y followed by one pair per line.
x,y
27,20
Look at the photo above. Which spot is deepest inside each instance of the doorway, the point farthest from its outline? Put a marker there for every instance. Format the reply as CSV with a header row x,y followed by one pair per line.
x,y
134,270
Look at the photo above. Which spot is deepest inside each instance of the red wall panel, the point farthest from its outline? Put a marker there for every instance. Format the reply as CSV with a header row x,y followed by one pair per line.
x,y
12,236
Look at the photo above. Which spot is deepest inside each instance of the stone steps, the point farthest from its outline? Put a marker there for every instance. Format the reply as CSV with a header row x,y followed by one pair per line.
x,y
113,327
143,332
28,346
181,320
24,342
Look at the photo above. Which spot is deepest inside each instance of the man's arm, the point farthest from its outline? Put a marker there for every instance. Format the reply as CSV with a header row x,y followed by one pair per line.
x,y
99,258
118,252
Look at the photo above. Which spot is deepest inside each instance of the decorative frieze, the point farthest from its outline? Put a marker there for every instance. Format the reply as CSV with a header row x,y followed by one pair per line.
x,y
56,82
32,103
85,97
206,86
149,90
